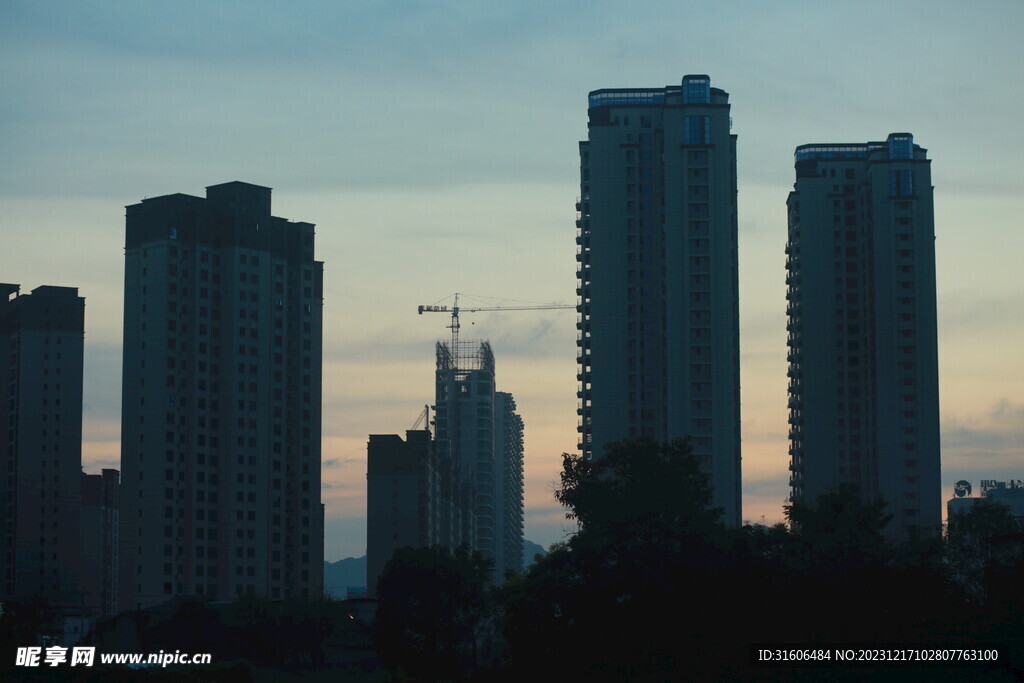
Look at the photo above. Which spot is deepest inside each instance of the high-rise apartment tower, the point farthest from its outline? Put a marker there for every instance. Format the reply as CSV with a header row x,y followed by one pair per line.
x,y
41,340
863,360
658,324
220,459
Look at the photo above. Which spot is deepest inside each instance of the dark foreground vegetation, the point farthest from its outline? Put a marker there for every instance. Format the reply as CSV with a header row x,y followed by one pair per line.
x,y
651,587
249,640
654,587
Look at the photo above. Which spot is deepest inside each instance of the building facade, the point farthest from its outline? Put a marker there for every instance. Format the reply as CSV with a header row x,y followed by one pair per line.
x,y
100,524
1009,493
42,337
863,359
658,297
402,490
508,486
221,401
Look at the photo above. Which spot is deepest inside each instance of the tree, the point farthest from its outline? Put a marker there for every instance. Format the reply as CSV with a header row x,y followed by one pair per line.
x,y
431,607
639,489
839,530
770,544
969,550
649,549
843,564
21,624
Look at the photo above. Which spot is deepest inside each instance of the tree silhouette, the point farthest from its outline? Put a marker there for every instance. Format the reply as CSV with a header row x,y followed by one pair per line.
x,y
649,552
969,543
854,583
431,606
21,623
839,530
639,489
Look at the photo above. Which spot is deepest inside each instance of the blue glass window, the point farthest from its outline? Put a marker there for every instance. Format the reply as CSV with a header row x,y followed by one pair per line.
x,y
626,97
696,90
697,130
901,146
901,183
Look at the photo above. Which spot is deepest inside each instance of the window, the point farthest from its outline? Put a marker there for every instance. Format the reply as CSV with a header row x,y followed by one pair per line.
x,y
696,90
901,183
697,130
901,146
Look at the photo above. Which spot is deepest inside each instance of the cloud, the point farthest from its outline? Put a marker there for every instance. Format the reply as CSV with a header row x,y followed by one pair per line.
x,y
969,313
997,436
986,445
340,462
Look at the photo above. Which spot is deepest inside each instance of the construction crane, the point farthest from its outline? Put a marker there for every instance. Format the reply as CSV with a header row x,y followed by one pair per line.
x,y
455,309
423,419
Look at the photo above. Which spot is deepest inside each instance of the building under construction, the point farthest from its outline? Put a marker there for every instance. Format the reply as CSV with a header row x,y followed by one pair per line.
x,y
479,437
464,488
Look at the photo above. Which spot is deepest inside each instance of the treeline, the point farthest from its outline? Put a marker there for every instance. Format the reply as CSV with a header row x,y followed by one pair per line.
x,y
654,587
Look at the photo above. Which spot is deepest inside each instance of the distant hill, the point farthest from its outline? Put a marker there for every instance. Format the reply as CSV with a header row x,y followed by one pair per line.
x,y
341,575
351,572
530,551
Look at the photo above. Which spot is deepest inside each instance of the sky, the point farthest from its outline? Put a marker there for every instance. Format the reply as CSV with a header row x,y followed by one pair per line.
x,y
434,145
